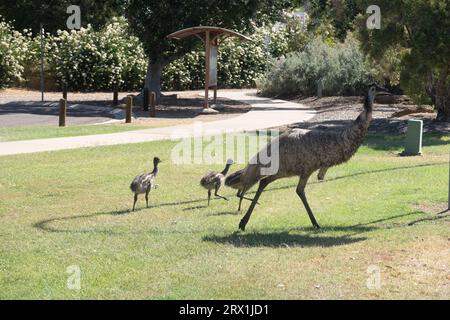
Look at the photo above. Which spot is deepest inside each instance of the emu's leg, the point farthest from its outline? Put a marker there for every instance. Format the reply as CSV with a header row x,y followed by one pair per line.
x,y
240,196
219,196
209,196
301,193
146,195
262,184
322,173
135,200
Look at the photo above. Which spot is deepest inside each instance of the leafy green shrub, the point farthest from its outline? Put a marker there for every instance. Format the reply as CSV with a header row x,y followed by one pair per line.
x,y
97,60
13,54
342,67
89,60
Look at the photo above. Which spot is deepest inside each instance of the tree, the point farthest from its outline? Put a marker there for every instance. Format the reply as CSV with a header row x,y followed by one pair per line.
x,y
413,39
423,28
339,13
28,14
152,21
412,42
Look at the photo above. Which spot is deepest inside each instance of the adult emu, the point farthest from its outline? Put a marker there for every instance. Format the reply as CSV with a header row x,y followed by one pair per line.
x,y
301,153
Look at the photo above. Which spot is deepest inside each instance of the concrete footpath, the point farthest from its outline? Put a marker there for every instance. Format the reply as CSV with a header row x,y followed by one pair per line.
x,y
265,113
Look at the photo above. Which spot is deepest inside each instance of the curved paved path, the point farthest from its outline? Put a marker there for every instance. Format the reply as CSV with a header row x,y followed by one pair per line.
x,y
265,113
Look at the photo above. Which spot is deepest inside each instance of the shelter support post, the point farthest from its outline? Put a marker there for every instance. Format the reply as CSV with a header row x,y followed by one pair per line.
x,y
207,66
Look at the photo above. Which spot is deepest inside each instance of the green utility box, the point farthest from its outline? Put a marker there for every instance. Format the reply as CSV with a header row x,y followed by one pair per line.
x,y
413,145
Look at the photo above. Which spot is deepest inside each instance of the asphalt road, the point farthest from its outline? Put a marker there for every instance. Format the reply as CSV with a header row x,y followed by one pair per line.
x,y
23,114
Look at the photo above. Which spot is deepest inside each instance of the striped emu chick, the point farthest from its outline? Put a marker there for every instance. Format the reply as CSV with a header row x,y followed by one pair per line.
x,y
234,181
215,180
144,183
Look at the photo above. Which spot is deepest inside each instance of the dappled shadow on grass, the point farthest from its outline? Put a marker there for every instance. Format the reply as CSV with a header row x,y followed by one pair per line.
x,y
195,208
224,213
45,225
439,216
282,239
200,206
179,203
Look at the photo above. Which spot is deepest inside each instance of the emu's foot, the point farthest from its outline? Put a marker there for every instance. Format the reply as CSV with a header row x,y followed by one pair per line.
x,y
242,225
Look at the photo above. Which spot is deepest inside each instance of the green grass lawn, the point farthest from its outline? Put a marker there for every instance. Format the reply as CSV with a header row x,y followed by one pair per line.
x,y
45,132
68,208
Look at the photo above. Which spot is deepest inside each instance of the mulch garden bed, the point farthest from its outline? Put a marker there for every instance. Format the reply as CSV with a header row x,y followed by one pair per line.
x,y
335,112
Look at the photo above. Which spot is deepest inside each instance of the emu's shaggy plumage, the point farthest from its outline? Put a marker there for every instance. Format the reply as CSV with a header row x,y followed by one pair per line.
x,y
144,183
215,180
301,153
212,180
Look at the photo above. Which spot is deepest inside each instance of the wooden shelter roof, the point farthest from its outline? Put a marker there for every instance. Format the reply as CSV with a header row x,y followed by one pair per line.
x,y
198,31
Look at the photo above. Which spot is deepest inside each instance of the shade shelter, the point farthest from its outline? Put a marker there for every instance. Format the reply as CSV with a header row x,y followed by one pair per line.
x,y
211,38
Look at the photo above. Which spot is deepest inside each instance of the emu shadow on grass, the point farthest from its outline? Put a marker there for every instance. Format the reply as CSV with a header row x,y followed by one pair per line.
x,y
282,239
277,239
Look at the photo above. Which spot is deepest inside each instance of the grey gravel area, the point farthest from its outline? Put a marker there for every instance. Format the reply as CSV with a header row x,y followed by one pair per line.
x,y
335,112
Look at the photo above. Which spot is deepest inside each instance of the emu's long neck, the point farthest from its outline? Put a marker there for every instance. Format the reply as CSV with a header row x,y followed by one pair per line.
x,y
155,169
361,124
227,168
355,134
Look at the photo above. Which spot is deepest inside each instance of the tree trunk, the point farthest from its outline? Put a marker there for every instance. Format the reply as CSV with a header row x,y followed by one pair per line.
x,y
153,78
442,96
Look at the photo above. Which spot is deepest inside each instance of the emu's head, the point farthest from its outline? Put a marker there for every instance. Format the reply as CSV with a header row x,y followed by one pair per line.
x,y
156,160
372,93
230,162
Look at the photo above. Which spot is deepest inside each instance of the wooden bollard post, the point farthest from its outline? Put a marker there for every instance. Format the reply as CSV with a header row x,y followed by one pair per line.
x,y
319,88
145,100
62,112
153,105
116,96
65,91
129,109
